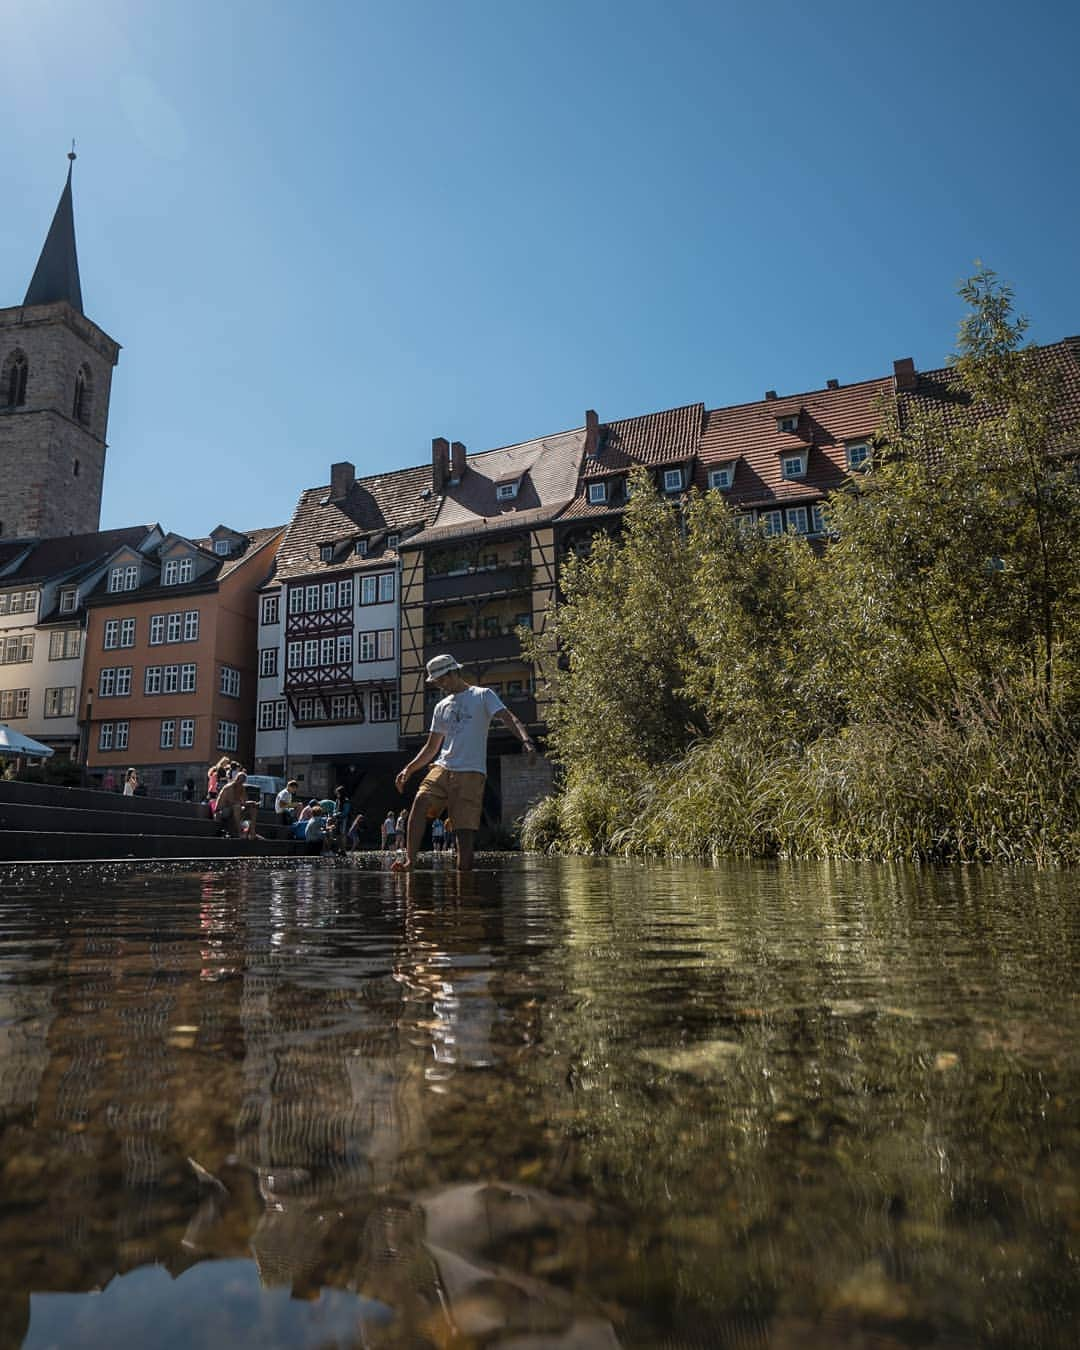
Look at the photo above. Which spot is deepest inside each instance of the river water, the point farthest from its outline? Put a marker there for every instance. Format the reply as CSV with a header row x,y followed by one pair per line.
x,y
568,1102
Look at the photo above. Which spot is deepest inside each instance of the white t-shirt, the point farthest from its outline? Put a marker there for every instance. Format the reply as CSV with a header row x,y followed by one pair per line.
x,y
463,720
283,801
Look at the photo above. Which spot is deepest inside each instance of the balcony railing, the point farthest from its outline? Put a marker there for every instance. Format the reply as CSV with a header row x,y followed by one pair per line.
x,y
478,581
320,622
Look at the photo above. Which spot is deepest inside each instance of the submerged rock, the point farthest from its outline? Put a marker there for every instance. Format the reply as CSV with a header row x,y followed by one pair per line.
x,y
704,1060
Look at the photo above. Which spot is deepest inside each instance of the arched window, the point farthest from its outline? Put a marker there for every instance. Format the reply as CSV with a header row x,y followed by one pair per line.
x,y
80,408
16,370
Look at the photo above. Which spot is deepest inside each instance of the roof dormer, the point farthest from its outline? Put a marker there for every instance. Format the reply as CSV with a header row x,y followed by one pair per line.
x,y
225,542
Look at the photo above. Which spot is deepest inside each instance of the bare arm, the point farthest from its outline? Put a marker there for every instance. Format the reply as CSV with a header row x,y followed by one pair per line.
x,y
421,759
518,727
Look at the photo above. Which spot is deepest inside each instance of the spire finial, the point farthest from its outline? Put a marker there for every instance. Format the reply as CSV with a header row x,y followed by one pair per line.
x,y
71,153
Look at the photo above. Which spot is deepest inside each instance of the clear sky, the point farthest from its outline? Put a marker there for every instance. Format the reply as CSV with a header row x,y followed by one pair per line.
x,y
332,230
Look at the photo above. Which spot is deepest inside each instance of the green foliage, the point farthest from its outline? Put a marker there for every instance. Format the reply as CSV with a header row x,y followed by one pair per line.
x,y
911,692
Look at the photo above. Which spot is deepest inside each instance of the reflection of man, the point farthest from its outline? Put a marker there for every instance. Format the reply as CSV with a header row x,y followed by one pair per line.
x,y
458,744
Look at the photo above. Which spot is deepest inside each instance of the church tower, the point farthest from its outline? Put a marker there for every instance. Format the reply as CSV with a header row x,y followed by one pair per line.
x,y
55,377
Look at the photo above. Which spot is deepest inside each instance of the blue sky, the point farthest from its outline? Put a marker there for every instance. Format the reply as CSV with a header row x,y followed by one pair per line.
x,y
332,231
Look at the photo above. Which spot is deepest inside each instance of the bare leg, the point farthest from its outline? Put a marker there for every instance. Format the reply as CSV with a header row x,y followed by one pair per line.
x,y
464,849
417,823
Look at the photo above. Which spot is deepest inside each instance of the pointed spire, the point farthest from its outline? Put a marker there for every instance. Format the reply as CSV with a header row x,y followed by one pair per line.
x,y
56,276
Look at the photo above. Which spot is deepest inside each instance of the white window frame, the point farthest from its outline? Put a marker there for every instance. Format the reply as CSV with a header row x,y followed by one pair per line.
x,y
65,644
788,425
105,736
799,471
771,522
266,714
296,599
229,684
69,600
174,626
329,595
222,548
107,682
152,680
186,570
362,548
120,739
186,738
673,480
820,518
798,520
228,735
721,478
311,652
597,493
268,662
170,679
857,454
366,647
393,540
169,572
504,492
127,632
326,553
14,703
188,673
111,635
385,582
345,593
327,651
167,734
123,681
312,595
368,591
191,625
270,609
157,629
386,644
344,649
294,655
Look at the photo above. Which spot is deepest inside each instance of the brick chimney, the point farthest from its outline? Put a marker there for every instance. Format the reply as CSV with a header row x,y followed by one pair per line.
x,y
440,464
770,395
832,384
457,461
342,477
907,377
592,433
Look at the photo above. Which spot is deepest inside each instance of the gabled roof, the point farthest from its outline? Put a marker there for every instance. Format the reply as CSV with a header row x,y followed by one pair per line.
x,y
74,555
56,276
373,507
547,469
207,580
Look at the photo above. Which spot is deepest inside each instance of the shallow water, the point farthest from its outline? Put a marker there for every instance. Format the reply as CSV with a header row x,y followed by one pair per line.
x,y
567,1103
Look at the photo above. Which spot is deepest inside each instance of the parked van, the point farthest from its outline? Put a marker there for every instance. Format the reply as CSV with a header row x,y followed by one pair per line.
x,y
266,786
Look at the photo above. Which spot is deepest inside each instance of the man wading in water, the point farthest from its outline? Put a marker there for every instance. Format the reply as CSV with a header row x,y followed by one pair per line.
x,y
458,744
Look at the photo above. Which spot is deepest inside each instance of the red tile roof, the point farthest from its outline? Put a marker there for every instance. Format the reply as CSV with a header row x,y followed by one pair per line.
x,y
669,437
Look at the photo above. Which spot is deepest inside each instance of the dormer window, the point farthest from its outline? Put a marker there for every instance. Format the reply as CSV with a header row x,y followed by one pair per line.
x,y
362,547
793,466
392,540
788,424
597,494
673,480
326,553
69,600
506,492
124,578
722,477
222,548
858,456
177,571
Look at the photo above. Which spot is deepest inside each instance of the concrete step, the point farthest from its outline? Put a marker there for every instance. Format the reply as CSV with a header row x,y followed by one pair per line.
x,y
66,819
44,846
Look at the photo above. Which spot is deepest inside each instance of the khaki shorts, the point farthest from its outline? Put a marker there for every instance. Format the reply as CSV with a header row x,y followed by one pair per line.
x,y
460,793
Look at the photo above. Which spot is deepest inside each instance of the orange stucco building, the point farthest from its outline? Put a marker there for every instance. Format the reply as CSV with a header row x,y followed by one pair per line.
x,y
170,676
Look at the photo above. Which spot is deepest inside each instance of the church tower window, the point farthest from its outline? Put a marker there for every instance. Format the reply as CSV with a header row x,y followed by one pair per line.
x,y
18,369
80,408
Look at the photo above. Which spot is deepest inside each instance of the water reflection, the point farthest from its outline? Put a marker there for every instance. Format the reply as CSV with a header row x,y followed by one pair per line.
x,y
581,1102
